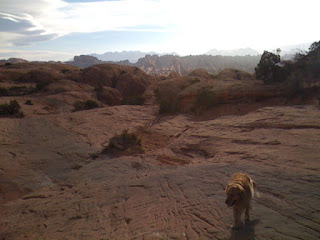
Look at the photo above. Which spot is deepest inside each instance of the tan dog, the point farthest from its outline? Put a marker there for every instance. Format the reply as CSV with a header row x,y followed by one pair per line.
x,y
240,190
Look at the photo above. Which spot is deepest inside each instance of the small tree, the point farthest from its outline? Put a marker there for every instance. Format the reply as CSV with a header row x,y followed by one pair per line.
x,y
269,69
315,47
308,63
313,60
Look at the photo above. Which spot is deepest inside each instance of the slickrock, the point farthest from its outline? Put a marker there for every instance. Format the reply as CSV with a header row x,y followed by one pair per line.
x,y
175,189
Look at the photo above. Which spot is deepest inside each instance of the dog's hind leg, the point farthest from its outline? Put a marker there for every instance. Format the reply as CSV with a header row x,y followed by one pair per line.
x,y
247,215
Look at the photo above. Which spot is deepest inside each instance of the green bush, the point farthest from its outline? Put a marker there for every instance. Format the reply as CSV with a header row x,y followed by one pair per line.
x,y
28,102
11,110
85,105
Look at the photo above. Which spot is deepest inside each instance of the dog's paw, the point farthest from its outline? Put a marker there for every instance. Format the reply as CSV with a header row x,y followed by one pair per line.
x,y
235,227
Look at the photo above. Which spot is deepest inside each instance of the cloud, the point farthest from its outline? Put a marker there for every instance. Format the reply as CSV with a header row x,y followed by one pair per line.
x,y
198,25
18,24
36,55
46,19
27,40
21,30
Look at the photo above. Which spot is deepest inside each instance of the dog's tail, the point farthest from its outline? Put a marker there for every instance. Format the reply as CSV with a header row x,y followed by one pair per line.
x,y
255,192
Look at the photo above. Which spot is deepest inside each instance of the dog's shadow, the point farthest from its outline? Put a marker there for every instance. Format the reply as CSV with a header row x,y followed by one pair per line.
x,y
246,232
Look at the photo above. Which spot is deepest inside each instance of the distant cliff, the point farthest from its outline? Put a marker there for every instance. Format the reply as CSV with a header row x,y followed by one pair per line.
x,y
131,56
13,60
84,61
163,65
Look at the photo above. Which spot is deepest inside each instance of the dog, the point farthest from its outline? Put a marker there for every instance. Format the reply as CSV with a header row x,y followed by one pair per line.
x,y
240,191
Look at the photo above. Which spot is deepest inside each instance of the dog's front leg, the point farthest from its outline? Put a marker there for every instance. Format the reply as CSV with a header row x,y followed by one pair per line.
x,y
236,218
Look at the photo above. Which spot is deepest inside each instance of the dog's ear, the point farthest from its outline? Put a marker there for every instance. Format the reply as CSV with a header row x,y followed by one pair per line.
x,y
241,191
254,184
240,188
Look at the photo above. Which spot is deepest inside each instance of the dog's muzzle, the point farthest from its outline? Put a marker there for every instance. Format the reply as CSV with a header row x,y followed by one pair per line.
x,y
228,203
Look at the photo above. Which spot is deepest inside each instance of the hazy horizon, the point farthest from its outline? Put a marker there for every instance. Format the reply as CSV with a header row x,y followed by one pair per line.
x,y
58,30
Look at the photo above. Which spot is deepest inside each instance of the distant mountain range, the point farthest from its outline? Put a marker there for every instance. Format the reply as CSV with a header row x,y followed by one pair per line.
x,y
163,64
134,56
131,56
286,51
235,52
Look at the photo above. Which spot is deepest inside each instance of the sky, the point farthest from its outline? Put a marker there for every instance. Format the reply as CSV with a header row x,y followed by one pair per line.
x,y
61,29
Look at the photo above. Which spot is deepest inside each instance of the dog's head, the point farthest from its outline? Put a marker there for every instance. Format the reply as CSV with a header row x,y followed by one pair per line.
x,y
234,194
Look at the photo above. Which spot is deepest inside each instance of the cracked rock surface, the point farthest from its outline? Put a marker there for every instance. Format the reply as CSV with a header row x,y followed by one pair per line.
x,y
52,188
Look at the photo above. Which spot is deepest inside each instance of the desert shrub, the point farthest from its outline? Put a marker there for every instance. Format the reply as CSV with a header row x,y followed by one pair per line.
x,y
17,88
11,110
65,71
168,100
167,106
98,88
41,85
204,100
127,143
194,80
3,92
136,100
85,105
18,91
28,102
295,81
